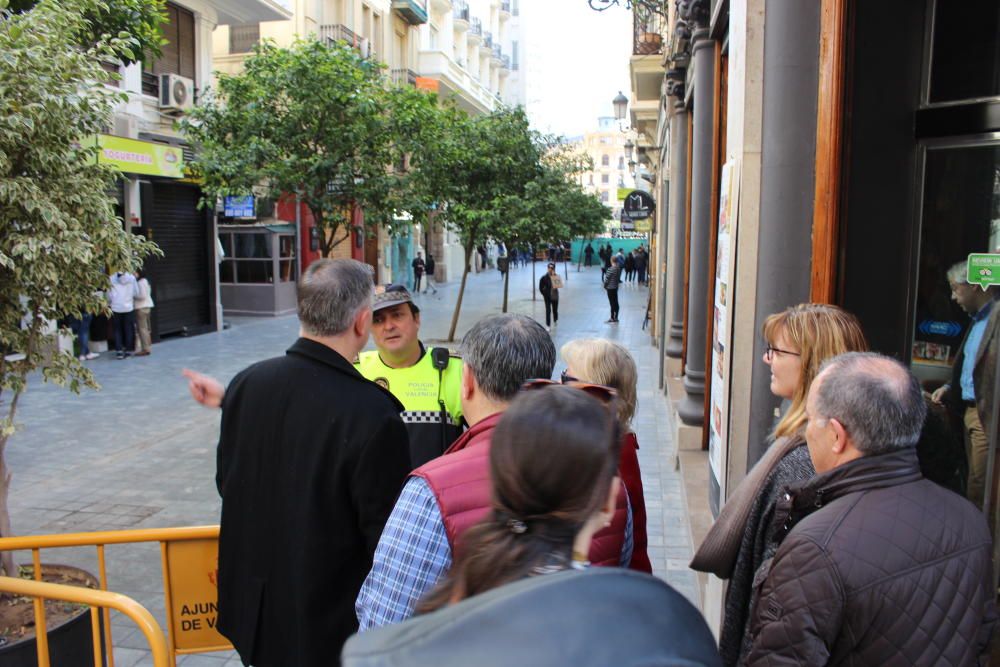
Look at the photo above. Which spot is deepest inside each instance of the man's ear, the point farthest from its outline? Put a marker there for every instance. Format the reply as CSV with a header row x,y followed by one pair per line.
x,y
840,444
468,383
363,323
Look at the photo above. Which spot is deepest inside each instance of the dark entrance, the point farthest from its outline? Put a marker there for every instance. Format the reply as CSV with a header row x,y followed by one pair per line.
x,y
181,280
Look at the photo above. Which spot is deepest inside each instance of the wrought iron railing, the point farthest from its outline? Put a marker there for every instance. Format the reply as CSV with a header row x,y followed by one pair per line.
x,y
488,39
647,35
242,38
505,6
476,26
497,52
505,61
460,10
338,32
403,77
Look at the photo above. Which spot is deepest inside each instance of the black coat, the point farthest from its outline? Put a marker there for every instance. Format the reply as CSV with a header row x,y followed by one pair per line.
x,y
880,567
311,458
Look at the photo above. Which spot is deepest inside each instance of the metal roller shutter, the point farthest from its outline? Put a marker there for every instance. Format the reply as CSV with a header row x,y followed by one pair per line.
x,y
180,278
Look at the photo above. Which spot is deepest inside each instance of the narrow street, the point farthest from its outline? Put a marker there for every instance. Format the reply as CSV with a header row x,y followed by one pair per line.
x,y
140,453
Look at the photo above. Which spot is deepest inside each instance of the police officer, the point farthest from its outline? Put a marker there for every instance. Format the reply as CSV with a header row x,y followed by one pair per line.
x,y
427,381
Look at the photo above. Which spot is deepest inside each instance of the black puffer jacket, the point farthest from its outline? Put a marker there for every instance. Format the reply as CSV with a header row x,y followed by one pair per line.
x,y
880,567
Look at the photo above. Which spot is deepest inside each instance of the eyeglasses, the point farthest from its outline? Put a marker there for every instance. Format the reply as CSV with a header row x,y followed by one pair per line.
x,y
598,391
769,353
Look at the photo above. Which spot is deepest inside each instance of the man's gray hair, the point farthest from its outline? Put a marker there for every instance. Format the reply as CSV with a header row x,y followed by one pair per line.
x,y
504,351
876,398
958,273
331,293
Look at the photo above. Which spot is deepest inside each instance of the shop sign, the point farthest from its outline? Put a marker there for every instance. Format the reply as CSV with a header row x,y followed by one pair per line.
x,y
193,589
934,327
645,225
428,83
638,205
984,269
132,156
238,207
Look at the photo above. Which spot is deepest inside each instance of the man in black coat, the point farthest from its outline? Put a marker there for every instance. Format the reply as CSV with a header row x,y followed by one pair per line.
x,y
311,457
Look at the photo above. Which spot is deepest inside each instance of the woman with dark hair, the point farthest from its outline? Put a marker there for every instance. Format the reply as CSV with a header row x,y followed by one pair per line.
x,y
143,304
553,459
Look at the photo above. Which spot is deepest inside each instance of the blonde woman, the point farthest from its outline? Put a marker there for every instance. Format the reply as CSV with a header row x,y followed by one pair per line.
x,y
799,340
601,361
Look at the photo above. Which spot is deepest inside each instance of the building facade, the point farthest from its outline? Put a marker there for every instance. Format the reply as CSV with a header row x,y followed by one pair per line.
x,y
155,199
808,153
611,174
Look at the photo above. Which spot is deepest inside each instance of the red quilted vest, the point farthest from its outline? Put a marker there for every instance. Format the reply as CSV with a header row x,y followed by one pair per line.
x,y
460,480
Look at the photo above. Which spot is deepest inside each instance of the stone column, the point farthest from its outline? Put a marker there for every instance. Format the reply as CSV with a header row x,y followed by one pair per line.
x,y
692,409
676,229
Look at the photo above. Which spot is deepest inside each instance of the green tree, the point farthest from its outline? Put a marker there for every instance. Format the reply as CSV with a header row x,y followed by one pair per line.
x,y
495,157
309,120
58,230
138,19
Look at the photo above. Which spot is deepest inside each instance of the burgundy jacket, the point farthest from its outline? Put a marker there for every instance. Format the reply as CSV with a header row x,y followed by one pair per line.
x,y
628,468
460,480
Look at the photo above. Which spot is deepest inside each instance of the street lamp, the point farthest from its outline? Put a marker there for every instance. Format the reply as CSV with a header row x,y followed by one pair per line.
x,y
620,104
629,146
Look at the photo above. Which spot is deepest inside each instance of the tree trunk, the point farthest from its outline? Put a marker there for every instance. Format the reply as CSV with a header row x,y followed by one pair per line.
x,y
506,285
533,285
461,293
6,557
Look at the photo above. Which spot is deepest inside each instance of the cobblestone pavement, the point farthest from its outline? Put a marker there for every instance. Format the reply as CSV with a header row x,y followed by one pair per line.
x,y
140,453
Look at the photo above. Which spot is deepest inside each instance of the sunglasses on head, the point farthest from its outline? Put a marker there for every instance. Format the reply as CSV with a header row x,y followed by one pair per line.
x,y
599,391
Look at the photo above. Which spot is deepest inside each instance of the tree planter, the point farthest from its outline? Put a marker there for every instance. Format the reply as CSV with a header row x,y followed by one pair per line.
x,y
70,639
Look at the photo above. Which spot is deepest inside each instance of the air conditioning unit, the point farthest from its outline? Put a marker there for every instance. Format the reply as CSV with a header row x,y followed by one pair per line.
x,y
176,92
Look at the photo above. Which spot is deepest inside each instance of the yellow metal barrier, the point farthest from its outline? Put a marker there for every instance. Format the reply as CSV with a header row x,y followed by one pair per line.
x,y
189,558
94,599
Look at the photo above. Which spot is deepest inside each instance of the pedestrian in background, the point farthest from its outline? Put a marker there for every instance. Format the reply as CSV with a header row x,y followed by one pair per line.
x,y
549,285
601,361
81,328
588,255
969,394
122,296
877,565
612,279
630,267
143,306
799,340
552,467
641,263
429,267
308,476
418,271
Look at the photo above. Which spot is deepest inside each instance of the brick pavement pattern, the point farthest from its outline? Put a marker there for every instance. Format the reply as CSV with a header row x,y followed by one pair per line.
x,y
140,453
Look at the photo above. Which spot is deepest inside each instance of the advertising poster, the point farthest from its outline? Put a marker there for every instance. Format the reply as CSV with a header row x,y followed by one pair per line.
x,y
725,263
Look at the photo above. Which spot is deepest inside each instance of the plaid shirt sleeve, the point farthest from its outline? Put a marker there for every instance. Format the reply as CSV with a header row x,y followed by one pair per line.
x,y
412,555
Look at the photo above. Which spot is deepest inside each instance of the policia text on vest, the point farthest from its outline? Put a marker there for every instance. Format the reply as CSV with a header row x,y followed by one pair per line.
x,y
430,391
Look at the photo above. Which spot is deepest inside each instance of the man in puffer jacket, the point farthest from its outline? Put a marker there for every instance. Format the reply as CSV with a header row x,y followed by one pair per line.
x,y
879,566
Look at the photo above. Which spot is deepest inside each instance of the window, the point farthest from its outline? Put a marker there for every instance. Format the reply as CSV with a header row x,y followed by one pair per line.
x,y
605,160
591,179
513,47
605,179
604,196
964,50
248,257
605,140
242,38
434,38
621,162
178,51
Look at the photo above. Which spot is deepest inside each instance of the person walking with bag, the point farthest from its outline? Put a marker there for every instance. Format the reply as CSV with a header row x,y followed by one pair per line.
x,y
143,304
612,279
549,287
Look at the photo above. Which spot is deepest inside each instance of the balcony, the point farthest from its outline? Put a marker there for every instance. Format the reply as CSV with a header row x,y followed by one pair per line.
x,y
413,12
488,39
504,9
475,31
504,63
497,53
338,32
460,13
403,77
647,30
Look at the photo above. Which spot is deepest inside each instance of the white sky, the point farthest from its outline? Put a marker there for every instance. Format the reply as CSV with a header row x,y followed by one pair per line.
x,y
576,61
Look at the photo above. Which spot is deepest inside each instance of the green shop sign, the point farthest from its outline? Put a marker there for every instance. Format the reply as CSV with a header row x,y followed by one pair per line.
x,y
132,156
983,270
